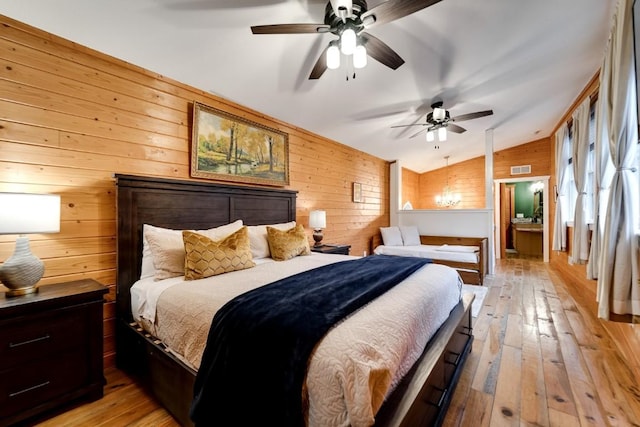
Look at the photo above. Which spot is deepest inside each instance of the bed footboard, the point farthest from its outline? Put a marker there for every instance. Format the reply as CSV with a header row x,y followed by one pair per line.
x,y
423,396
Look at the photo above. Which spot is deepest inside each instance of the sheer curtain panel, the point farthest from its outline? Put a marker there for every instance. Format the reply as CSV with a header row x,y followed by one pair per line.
x,y
580,156
618,289
603,173
562,161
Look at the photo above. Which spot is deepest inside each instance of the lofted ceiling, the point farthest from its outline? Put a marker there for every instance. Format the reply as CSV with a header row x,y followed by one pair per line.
x,y
526,60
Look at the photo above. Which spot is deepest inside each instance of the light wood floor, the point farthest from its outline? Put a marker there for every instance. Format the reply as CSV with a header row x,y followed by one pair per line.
x,y
538,359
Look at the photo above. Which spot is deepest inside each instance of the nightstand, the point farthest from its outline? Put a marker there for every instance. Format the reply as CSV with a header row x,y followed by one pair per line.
x,y
50,348
332,249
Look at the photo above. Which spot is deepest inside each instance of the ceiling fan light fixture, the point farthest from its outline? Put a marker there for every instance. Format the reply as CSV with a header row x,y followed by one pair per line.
x,y
439,114
442,134
430,136
348,41
333,56
360,57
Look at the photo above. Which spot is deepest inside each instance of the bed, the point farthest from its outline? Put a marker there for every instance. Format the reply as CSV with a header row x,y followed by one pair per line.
x,y
420,397
468,255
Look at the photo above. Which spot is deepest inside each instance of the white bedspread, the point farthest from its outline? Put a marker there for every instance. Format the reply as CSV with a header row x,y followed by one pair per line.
x,y
438,252
358,362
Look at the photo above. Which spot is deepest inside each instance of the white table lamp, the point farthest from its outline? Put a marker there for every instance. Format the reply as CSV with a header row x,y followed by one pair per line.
x,y
22,213
317,221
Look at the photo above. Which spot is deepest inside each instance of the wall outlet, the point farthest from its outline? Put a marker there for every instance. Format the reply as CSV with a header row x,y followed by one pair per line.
x,y
365,253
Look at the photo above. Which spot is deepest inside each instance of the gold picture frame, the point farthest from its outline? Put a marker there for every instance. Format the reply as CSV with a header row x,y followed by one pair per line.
x,y
229,148
357,192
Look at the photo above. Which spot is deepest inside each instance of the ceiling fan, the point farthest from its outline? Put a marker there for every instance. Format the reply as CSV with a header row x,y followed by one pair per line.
x,y
348,19
440,120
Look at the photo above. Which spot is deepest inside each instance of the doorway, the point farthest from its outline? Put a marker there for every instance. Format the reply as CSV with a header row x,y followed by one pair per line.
x,y
504,209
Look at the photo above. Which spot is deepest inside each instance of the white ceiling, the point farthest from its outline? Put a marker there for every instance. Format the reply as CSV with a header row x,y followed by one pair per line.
x,y
525,59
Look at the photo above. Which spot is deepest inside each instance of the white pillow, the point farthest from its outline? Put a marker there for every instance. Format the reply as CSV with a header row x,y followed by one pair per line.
x,y
147,268
258,238
221,232
410,235
163,248
391,236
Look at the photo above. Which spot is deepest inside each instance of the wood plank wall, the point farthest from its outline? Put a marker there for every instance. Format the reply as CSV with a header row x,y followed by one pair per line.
x,y
464,179
467,178
71,117
410,188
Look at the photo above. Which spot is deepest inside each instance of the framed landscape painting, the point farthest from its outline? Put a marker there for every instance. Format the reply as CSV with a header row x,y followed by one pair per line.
x,y
230,148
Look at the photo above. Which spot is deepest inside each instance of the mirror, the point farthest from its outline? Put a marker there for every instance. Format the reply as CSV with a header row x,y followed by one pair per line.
x,y
537,206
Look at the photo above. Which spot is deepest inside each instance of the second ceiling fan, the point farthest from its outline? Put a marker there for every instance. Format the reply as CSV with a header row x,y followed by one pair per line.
x,y
440,120
348,19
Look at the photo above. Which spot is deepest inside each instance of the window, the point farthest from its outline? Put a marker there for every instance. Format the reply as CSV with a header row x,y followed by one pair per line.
x,y
572,191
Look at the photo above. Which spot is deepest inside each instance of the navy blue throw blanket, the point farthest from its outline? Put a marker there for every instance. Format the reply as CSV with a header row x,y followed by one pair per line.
x,y
255,361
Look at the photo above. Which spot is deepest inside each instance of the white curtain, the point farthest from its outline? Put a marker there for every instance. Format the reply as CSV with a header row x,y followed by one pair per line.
x,y
580,156
618,289
603,171
562,160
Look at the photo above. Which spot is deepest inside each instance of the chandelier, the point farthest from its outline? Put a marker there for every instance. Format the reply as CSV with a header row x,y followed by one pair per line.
x,y
447,199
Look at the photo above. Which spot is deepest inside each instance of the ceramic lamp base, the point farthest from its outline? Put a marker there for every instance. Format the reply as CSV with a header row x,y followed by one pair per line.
x,y
22,270
317,237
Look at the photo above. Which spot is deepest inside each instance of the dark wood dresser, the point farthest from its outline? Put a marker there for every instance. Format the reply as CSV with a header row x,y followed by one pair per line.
x,y
50,349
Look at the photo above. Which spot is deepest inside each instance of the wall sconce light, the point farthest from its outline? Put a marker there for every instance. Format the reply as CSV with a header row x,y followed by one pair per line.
x,y
22,214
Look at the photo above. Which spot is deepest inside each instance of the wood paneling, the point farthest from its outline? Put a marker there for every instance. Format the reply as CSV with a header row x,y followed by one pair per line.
x,y
465,178
410,188
535,153
71,117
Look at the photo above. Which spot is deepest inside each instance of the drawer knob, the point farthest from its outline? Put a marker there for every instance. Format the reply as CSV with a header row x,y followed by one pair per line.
x,y
42,338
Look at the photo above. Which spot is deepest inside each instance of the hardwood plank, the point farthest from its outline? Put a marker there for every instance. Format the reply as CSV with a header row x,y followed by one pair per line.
x,y
513,335
560,419
477,411
506,403
533,394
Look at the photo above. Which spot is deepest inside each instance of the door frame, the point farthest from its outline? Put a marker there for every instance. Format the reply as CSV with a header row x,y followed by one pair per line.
x,y
545,212
510,188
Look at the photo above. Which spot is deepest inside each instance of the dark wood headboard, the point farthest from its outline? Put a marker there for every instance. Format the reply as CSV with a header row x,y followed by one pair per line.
x,y
184,205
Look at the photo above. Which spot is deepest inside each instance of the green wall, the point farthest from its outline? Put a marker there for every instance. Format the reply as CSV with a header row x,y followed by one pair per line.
x,y
524,198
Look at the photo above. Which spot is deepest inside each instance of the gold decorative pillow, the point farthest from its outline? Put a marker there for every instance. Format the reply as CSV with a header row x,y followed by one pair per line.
x,y
205,257
287,244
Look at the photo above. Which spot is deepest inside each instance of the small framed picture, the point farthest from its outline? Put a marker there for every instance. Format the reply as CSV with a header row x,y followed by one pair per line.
x,y
357,192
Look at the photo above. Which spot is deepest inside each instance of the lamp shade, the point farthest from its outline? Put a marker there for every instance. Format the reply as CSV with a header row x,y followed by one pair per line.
x,y
333,56
23,213
318,219
360,57
430,136
348,41
442,134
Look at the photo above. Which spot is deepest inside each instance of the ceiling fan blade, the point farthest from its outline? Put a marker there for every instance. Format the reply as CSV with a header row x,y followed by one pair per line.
x,y
414,124
419,133
455,128
290,29
472,115
392,10
379,51
320,67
